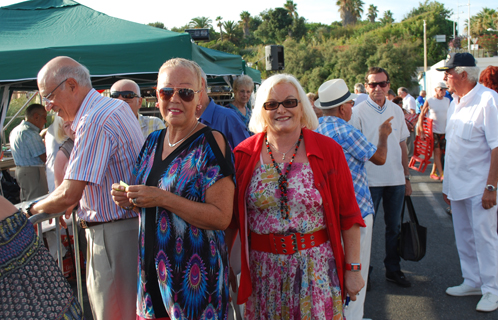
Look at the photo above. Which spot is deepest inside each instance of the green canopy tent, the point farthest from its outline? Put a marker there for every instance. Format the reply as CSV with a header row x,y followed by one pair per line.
x,y
33,32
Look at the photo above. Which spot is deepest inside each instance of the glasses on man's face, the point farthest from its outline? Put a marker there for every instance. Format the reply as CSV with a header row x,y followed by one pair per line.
x,y
374,85
124,94
46,100
288,103
185,94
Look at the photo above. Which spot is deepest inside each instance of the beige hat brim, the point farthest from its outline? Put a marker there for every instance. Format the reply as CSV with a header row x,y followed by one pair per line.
x,y
352,96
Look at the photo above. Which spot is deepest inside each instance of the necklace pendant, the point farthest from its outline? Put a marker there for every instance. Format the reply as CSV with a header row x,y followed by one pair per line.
x,y
283,157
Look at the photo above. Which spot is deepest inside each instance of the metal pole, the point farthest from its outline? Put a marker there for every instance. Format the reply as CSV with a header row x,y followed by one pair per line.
x,y
468,26
425,47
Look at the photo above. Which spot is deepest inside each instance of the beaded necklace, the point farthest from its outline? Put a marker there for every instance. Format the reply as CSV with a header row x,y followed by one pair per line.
x,y
282,180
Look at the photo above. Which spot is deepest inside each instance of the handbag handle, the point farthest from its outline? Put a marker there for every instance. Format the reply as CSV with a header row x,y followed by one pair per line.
x,y
411,210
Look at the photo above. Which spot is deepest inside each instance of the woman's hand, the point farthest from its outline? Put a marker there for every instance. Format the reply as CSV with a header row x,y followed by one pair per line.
x,y
119,197
353,283
145,197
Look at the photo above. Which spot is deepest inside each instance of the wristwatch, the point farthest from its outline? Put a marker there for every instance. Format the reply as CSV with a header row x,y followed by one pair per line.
x,y
407,178
27,210
491,187
355,267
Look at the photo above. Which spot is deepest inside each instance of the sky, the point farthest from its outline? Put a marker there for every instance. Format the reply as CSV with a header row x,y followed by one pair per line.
x,y
173,14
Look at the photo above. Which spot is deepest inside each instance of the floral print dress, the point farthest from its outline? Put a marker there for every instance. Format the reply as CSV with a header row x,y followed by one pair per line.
x,y
303,285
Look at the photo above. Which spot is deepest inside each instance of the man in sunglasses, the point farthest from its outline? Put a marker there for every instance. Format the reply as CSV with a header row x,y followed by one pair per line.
x,y
390,182
107,142
129,91
471,177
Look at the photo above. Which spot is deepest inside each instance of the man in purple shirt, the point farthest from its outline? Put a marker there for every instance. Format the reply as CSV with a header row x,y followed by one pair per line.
x,y
107,141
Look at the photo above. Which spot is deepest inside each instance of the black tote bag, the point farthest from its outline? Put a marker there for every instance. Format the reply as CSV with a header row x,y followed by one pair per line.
x,y
413,237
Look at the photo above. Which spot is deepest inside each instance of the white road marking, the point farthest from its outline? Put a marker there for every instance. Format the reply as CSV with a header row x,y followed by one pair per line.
x,y
440,212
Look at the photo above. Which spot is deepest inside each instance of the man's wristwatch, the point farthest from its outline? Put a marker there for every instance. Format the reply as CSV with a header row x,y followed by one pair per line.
x,y
27,210
355,267
491,187
407,178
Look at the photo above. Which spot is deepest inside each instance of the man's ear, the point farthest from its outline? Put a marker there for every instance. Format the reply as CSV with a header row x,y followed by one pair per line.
x,y
71,82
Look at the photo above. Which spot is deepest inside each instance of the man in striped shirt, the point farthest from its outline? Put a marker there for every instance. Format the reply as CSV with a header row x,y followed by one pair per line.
x,y
107,141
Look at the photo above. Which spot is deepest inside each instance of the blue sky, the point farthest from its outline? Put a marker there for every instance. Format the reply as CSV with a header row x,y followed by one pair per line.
x,y
178,13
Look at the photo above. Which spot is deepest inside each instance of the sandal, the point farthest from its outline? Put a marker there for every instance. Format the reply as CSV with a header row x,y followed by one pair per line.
x,y
434,176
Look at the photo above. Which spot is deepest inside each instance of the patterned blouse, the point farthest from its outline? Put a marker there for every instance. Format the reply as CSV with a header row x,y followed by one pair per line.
x,y
182,270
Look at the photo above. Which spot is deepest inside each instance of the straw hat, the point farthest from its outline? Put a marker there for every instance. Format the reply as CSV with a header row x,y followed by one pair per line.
x,y
333,93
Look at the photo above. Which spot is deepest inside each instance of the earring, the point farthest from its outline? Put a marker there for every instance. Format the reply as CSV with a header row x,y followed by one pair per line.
x,y
157,104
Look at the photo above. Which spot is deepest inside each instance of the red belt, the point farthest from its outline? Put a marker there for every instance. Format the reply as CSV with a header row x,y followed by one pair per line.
x,y
290,244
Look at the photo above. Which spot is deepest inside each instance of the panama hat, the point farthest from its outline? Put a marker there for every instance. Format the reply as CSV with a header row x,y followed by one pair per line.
x,y
332,94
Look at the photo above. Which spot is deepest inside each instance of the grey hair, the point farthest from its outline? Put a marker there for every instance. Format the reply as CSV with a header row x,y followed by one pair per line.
x,y
472,73
405,90
243,81
360,88
258,122
204,77
79,73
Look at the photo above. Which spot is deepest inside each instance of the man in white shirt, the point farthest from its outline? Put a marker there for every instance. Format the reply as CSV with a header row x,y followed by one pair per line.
x,y
471,177
390,182
361,93
409,103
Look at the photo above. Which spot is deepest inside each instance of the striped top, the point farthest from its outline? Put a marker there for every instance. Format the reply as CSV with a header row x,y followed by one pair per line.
x,y
27,145
150,124
107,142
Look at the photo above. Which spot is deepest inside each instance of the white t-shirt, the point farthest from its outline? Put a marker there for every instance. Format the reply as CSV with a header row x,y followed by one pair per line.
x,y
438,109
367,117
471,134
361,97
409,103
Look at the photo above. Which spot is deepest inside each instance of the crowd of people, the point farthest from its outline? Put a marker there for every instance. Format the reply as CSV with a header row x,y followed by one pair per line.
x,y
269,204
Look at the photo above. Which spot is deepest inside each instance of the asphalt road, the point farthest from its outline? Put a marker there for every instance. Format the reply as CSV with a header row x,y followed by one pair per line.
x,y
439,269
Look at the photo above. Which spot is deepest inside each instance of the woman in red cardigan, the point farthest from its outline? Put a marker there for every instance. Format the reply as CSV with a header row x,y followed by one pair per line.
x,y
294,201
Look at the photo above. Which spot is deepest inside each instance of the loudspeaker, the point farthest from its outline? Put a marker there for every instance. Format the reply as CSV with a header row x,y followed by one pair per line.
x,y
198,34
274,58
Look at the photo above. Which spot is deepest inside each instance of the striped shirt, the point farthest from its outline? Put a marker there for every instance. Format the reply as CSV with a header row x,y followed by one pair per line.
x,y
27,145
107,142
357,150
150,124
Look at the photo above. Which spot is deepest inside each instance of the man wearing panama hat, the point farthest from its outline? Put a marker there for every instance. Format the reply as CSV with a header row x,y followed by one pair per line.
x,y
337,102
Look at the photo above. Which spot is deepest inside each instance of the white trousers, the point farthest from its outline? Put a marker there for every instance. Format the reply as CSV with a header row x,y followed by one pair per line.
x,y
477,243
355,308
111,266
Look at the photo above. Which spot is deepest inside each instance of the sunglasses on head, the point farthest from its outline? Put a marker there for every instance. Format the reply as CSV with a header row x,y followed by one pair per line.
x,y
382,84
288,103
185,94
124,94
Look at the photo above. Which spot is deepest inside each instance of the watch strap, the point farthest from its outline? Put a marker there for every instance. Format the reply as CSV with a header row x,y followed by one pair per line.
x,y
353,267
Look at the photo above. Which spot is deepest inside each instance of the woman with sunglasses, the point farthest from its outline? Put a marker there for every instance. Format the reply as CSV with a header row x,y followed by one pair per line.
x,y
184,178
294,200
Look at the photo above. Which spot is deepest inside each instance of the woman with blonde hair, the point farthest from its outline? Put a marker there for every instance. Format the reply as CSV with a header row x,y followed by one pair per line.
x,y
294,202
243,87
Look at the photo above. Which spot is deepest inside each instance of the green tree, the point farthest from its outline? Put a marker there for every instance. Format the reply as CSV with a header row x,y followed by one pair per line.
x,y
292,8
159,25
219,25
200,23
482,21
275,26
387,19
245,18
372,13
430,6
350,11
230,29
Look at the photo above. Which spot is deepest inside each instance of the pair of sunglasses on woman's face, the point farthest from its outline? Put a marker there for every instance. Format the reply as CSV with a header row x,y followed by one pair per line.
x,y
288,103
185,94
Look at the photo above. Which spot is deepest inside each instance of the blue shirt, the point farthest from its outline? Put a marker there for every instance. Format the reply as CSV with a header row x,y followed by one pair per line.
x,y
226,121
420,103
357,150
27,145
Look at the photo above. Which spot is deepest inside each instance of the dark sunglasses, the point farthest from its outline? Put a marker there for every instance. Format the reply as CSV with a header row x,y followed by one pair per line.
x,y
124,94
382,84
289,103
185,94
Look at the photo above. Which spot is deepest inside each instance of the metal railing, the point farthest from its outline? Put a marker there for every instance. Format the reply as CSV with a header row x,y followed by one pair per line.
x,y
38,219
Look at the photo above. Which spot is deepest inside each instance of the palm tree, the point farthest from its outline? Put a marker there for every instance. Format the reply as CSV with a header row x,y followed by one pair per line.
x,y
388,17
350,11
220,24
245,18
200,23
292,8
229,27
372,13
487,18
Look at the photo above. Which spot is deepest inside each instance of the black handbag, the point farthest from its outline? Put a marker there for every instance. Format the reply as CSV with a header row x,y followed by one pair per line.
x,y
413,237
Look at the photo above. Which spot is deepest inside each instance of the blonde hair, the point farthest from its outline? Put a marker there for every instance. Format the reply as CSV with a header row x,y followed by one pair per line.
x,y
59,134
258,122
188,64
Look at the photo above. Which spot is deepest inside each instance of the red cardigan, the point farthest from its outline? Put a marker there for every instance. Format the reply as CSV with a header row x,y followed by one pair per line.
x,y
332,179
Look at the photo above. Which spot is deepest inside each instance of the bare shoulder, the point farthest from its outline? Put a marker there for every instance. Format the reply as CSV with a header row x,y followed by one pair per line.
x,y
220,140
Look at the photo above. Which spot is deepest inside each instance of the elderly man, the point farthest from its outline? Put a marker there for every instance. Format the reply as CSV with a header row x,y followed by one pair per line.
x,y
28,151
357,150
107,142
360,92
409,103
420,101
129,91
471,177
390,182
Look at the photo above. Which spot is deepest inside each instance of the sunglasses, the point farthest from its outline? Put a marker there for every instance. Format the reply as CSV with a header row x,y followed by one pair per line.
x,y
124,94
382,84
185,94
273,105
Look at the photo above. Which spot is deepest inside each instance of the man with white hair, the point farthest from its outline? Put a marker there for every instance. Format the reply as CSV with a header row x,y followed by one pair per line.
x,y
471,177
361,93
129,92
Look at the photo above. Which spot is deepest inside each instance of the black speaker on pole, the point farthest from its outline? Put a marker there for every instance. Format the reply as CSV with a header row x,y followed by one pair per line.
x,y
274,57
